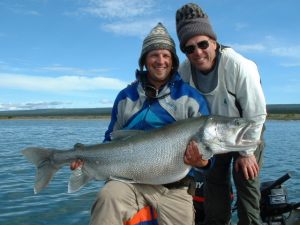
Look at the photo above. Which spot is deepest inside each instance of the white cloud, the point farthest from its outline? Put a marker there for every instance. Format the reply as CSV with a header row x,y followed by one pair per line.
x,y
123,17
59,84
282,47
249,47
136,28
118,8
285,51
19,8
289,54
74,70
31,105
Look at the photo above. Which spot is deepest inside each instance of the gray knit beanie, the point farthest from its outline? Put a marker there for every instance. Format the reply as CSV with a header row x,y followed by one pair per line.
x,y
191,20
159,38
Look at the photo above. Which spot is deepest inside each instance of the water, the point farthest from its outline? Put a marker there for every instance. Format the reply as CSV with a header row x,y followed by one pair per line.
x,y
19,206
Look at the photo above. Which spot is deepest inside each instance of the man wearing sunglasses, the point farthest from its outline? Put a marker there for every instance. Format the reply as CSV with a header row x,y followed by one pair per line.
x,y
231,85
157,97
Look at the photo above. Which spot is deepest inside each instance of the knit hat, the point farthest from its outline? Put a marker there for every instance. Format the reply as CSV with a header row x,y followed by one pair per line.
x,y
191,20
158,38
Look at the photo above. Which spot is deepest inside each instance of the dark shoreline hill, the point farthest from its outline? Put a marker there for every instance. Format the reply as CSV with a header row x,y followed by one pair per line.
x,y
283,109
275,111
68,112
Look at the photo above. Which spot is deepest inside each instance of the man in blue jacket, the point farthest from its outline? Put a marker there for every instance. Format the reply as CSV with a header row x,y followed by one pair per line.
x,y
157,97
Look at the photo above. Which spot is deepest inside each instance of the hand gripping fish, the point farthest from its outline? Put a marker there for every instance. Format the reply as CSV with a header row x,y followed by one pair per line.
x,y
149,157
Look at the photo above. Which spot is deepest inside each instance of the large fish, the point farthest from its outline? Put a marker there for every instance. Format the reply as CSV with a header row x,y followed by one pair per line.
x,y
149,157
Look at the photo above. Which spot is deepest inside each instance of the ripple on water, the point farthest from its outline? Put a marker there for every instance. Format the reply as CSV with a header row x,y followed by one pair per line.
x,y
55,206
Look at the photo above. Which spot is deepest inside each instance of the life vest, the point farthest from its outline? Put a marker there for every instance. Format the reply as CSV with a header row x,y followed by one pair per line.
x,y
145,216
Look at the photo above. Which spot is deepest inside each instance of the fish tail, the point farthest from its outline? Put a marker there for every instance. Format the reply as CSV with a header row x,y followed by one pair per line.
x,y
41,158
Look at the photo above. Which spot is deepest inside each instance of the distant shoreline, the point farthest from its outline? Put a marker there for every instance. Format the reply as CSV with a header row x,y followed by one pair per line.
x,y
107,117
283,117
275,112
104,117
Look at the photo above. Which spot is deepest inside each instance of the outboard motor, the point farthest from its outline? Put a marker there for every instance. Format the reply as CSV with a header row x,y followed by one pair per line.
x,y
274,201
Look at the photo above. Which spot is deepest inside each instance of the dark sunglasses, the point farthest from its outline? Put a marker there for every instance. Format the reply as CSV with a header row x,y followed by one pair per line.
x,y
152,93
191,48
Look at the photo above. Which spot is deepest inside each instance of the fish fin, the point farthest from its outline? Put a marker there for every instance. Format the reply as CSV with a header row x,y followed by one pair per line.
x,y
41,158
124,134
205,151
79,146
78,179
122,179
203,148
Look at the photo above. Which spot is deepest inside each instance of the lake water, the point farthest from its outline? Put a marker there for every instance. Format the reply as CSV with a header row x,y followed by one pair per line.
x,y
19,206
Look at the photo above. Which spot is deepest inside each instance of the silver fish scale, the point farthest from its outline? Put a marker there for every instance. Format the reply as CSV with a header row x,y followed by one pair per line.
x,y
155,161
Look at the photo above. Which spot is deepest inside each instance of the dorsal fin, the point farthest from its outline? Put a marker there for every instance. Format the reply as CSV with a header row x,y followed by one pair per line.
x,y
79,146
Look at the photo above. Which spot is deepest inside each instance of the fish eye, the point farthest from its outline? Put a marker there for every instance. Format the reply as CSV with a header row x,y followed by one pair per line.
x,y
237,123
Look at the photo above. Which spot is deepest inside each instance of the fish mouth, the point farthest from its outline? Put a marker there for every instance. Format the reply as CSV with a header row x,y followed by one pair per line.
x,y
239,139
243,144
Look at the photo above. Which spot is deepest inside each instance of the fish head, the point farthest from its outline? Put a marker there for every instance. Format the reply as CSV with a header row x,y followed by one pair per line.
x,y
227,133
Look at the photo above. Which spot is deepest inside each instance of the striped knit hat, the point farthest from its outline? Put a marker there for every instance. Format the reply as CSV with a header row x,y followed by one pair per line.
x,y
191,20
158,38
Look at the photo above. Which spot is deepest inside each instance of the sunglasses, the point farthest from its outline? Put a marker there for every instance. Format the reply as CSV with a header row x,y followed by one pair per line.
x,y
191,48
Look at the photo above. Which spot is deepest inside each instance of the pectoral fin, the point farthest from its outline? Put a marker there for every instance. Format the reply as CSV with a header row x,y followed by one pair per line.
x,y
78,179
205,151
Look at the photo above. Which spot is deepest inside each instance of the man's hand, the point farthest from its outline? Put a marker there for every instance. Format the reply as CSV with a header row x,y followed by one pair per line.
x,y
76,164
248,165
193,157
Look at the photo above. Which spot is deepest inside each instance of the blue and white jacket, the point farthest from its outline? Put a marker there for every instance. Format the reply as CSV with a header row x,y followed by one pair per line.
x,y
133,110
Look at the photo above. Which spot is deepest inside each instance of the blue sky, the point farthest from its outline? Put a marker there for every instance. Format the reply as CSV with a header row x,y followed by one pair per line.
x,y
81,53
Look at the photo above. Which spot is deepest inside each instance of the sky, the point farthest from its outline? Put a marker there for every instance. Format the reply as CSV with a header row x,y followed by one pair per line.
x,y
81,53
